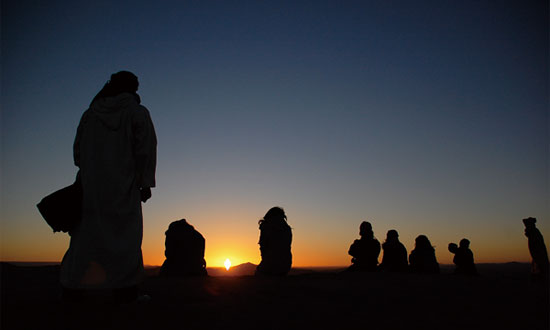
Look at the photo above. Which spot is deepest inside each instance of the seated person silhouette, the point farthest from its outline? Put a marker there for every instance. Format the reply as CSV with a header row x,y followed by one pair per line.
x,y
184,251
464,258
537,249
394,258
365,250
422,258
275,241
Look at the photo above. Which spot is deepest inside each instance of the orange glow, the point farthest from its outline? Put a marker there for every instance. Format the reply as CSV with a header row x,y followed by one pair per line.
x,y
236,238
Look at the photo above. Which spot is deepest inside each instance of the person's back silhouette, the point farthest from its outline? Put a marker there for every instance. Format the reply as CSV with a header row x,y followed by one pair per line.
x,y
184,251
537,249
365,251
422,258
464,258
275,242
394,258
115,149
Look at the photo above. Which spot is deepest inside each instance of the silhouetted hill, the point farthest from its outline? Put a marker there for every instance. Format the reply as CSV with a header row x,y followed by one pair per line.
x,y
239,270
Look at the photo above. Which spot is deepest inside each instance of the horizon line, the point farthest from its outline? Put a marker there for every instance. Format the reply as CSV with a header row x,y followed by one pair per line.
x,y
53,263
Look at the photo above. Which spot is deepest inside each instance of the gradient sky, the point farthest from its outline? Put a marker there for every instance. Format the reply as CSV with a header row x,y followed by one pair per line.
x,y
428,117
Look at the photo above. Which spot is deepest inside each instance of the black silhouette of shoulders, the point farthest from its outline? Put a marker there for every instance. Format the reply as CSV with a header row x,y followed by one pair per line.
x,y
394,258
422,259
275,243
464,258
184,251
364,251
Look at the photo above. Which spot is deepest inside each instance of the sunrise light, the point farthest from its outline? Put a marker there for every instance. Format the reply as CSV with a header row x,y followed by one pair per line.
x,y
227,264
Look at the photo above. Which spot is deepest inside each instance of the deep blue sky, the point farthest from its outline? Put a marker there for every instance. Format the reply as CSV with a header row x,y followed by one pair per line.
x,y
427,117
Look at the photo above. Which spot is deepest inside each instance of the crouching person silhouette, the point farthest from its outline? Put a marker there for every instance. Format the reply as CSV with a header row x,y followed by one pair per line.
x,y
184,251
464,258
394,258
537,248
422,258
275,241
365,251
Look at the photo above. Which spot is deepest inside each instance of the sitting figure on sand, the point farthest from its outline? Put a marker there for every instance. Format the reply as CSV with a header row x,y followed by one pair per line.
x,y
537,248
184,251
422,258
365,250
394,258
275,241
464,258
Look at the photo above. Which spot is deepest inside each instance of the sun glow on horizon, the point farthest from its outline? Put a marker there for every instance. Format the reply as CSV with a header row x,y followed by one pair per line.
x,y
227,264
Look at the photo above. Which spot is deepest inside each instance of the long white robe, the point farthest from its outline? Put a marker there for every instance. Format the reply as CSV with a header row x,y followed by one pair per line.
x,y
115,148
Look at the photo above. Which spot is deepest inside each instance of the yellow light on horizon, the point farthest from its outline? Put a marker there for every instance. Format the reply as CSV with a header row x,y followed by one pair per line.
x,y
227,264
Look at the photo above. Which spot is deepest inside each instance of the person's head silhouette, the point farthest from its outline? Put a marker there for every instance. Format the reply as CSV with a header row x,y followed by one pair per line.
x,y
275,213
365,229
124,81
120,82
529,222
464,243
422,242
392,236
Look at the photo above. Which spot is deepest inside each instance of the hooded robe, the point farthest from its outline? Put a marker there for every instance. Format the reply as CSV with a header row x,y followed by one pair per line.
x,y
115,149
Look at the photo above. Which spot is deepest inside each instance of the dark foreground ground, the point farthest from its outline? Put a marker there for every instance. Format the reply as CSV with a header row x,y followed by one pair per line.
x,y
503,297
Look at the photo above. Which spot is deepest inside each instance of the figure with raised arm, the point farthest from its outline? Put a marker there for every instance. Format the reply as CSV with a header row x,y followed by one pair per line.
x,y
464,258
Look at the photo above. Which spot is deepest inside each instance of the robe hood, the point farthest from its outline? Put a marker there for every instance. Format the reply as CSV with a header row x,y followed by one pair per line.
x,y
109,110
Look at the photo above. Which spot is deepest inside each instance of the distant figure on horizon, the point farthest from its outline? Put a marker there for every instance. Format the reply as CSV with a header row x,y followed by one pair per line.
x,y
464,258
537,249
394,258
115,149
275,241
422,258
184,251
365,251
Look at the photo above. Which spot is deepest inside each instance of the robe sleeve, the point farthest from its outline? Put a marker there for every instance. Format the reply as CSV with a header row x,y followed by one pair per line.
x,y
145,147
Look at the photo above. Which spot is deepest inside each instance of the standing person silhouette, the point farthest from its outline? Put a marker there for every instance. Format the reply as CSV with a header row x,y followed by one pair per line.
x,y
394,258
115,149
537,249
365,251
275,241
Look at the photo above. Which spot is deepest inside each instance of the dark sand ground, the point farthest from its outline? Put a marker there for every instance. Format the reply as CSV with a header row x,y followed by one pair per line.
x,y
503,297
